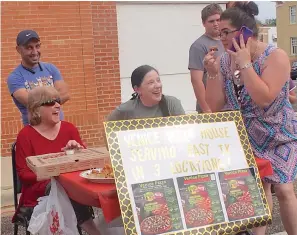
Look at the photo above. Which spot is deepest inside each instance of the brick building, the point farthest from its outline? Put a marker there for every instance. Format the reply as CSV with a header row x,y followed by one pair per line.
x,y
96,46
81,39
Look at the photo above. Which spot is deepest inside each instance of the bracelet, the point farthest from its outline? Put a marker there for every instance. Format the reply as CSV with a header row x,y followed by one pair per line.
x,y
246,66
212,77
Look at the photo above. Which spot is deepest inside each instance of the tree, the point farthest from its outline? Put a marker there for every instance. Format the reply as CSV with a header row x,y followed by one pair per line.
x,y
270,22
259,23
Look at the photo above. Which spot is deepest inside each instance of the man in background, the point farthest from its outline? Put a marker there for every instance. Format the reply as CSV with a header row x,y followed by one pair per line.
x,y
32,73
210,16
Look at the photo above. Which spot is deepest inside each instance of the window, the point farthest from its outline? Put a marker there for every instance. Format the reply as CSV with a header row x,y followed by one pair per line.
x,y
292,14
294,46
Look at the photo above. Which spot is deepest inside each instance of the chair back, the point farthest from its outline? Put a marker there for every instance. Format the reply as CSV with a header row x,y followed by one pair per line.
x,y
17,187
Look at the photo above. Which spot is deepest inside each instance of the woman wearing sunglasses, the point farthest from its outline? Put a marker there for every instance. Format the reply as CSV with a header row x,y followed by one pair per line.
x,y
46,134
254,78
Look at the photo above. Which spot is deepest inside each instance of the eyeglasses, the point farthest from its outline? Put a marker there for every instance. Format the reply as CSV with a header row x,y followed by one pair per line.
x,y
226,32
51,102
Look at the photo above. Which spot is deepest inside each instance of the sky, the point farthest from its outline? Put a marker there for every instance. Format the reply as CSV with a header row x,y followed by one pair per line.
x,y
266,10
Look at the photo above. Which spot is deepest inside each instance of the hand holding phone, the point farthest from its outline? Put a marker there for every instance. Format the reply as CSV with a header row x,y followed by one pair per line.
x,y
246,32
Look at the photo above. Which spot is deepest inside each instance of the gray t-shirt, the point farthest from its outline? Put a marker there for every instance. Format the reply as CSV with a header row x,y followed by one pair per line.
x,y
134,109
197,52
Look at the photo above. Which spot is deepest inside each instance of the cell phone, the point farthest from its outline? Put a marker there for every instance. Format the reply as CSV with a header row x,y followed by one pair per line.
x,y
246,32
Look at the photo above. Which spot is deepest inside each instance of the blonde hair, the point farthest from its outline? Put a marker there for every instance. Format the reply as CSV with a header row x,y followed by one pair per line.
x,y
36,97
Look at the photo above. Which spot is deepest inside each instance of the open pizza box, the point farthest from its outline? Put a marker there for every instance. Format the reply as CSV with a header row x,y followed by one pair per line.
x,y
53,164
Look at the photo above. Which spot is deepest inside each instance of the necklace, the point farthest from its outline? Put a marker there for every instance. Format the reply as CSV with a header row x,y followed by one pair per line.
x,y
236,74
237,71
236,80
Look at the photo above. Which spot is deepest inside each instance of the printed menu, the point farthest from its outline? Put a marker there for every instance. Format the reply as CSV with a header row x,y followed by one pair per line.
x,y
157,207
200,200
241,194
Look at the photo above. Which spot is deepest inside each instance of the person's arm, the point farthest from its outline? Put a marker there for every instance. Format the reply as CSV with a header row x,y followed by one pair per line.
x,y
199,89
24,150
175,107
115,115
60,84
215,94
264,91
196,67
292,97
292,94
276,72
15,83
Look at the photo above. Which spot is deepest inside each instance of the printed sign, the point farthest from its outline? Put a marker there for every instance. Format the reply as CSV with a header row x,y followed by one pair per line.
x,y
186,173
157,207
200,199
241,194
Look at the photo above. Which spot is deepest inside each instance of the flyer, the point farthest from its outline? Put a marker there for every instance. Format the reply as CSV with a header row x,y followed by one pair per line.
x,y
157,207
241,194
200,200
169,180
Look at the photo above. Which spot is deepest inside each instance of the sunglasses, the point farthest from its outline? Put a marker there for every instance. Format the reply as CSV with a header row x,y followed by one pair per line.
x,y
51,102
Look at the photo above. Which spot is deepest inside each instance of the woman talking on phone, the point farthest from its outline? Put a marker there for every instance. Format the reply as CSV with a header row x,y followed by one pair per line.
x,y
253,77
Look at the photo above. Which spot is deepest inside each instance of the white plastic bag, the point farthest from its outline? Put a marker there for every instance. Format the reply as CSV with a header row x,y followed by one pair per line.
x,y
54,214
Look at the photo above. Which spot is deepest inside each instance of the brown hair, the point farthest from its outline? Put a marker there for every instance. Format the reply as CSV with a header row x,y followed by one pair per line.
x,y
36,97
242,14
210,10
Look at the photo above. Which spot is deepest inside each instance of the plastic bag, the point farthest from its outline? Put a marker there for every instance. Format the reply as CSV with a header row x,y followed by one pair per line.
x,y
54,214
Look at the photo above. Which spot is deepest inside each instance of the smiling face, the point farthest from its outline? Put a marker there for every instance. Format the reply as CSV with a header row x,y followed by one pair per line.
x,y
30,53
44,106
227,33
150,90
50,111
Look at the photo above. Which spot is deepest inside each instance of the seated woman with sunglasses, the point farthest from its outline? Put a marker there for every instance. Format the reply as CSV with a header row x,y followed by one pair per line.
x,y
254,78
147,100
46,134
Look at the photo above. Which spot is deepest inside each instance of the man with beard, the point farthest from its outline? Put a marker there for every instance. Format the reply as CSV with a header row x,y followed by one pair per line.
x,y
210,40
33,73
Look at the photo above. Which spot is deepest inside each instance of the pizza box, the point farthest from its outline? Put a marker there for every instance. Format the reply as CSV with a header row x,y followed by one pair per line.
x,y
53,164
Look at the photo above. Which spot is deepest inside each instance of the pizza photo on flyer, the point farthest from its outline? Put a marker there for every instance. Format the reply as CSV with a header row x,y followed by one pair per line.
x,y
241,195
157,207
200,200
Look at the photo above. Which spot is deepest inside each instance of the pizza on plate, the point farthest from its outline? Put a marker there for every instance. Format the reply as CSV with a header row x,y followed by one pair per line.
x,y
156,224
240,210
199,217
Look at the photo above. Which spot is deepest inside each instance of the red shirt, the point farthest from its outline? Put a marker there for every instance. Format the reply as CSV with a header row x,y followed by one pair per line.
x,y
31,143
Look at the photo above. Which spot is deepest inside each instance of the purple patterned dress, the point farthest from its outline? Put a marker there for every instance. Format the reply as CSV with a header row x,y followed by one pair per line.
x,y
272,131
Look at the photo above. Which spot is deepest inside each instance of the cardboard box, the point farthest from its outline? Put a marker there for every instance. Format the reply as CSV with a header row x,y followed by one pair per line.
x,y
53,164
